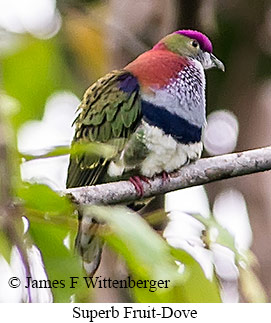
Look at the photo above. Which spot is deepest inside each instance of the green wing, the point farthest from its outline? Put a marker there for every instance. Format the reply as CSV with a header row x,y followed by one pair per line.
x,y
109,113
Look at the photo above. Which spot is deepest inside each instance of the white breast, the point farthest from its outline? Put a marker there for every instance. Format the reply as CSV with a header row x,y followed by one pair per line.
x,y
166,154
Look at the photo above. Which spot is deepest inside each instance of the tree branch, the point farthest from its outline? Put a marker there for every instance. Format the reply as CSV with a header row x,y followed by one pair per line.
x,y
203,171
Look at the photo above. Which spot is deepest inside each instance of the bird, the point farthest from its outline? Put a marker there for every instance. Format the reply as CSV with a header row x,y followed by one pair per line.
x,y
152,112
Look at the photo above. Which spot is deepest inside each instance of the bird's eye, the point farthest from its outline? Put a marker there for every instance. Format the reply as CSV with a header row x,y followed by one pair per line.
x,y
195,43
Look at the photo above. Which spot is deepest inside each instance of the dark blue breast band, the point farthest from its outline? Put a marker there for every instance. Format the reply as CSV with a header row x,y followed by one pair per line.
x,y
180,129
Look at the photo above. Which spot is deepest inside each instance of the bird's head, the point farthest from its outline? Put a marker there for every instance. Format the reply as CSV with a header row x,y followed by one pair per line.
x,y
193,44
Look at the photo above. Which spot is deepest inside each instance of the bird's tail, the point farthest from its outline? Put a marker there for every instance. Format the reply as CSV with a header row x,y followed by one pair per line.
x,y
88,243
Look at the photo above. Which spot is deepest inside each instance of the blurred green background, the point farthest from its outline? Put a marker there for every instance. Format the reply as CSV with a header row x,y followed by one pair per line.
x,y
50,52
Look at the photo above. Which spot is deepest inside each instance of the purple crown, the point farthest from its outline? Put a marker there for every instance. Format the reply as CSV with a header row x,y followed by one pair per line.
x,y
203,40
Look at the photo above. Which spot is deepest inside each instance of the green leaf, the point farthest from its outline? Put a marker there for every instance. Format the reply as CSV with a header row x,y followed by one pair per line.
x,y
141,241
32,73
251,286
5,246
147,255
99,149
54,152
61,263
41,198
217,233
52,228
197,288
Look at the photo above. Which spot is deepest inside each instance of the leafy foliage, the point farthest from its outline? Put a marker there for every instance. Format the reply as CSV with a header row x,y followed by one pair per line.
x,y
149,257
5,246
244,259
31,74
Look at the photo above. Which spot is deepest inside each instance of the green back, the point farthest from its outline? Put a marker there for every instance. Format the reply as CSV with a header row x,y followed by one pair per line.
x,y
109,113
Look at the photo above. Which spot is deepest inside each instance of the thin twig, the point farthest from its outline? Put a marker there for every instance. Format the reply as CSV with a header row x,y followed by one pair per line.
x,y
203,171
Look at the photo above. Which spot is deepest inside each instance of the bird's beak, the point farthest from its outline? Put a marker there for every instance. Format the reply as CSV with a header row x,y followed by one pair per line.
x,y
208,60
217,63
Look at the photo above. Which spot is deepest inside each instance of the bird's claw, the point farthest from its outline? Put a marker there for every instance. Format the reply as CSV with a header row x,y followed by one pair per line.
x,y
137,182
165,177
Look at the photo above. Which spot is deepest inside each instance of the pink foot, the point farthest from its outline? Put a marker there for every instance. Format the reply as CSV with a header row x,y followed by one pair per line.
x,y
165,177
137,182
